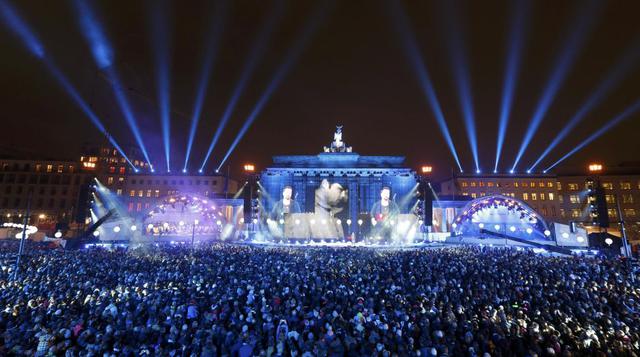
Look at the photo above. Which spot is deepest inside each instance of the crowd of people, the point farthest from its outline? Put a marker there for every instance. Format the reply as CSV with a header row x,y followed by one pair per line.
x,y
235,300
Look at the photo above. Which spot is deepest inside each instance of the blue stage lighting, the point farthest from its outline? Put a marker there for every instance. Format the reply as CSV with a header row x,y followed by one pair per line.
x,y
160,41
12,19
463,81
612,78
211,49
92,32
512,171
516,40
103,56
200,171
257,49
290,58
73,93
410,47
571,47
613,122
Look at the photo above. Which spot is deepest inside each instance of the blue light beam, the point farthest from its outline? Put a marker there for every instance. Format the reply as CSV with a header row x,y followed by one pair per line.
x,y
11,18
401,23
15,23
103,56
613,122
516,40
160,42
257,49
463,83
616,74
290,58
571,48
211,49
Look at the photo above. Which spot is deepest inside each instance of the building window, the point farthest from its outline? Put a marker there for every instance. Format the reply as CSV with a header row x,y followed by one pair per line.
x,y
38,167
122,170
473,184
120,179
559,186
474,195
629,212
60,168
489,184
575,213
481,184
542,196
540,184
610,198
625,185
627,198
133,182
132,193
573,186
575,199
140,193
524,184
607,185
534,196
148,193
157,193
525,196
464,184
550,184
551,196
612,213
130,206
562,213
119,192
139,207
110,180
543,210
49,168
560,199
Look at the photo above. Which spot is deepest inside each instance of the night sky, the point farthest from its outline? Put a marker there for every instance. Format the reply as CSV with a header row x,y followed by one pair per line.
x,y
352,72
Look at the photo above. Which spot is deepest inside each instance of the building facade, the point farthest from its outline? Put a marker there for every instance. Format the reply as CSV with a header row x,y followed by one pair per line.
x,y
139,192
559,198
54,189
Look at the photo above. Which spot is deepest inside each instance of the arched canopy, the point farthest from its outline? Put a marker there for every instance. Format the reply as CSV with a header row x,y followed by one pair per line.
x,y
500,214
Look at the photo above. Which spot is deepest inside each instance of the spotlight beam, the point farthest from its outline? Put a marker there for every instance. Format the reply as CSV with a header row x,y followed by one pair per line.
x,y
258,48
572,45
615,75
463,82
211,50
160,41
632,109
290,58
103,56
517,33
401,23
11,18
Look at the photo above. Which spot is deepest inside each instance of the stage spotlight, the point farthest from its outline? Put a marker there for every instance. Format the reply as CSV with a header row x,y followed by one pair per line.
x,y
529,171
529,230
290,58
462,79
478,171
103,56
547,232
12,19
516,40
184,171
211,49
257,50
616,74
200,171
96,233
410,47
116,229
562,65
613,122
160,41
134,228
